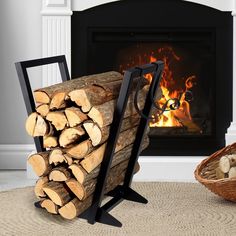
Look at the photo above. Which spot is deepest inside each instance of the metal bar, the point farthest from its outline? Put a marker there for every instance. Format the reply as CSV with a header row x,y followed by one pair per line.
x,y
112,203
64,70
21,68
143,123
111,143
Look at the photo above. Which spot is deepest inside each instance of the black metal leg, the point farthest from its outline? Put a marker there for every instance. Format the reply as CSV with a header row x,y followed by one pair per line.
x,y
105,218
133,196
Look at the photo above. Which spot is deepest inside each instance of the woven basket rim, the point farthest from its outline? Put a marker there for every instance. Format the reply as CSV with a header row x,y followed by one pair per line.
x,y
224,151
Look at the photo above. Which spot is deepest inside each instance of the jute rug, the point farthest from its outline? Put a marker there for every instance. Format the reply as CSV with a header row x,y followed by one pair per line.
x,y
173,209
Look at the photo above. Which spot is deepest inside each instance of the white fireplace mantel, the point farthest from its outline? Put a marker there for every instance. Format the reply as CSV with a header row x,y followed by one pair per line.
x,y
56,40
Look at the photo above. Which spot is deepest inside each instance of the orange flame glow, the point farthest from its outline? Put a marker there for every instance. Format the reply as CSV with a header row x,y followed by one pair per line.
x,y
171,89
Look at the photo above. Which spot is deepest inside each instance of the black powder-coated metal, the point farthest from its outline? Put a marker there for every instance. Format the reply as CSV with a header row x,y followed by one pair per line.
x,y
21,68
97,212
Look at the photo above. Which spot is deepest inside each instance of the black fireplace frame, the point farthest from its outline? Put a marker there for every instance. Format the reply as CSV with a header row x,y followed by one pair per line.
x,y
161,15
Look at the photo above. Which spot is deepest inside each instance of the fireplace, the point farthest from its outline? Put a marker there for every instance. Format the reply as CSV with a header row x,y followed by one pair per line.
x,y
198,65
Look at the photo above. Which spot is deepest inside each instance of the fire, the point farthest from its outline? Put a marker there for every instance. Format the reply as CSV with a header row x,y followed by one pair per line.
x,y
172,90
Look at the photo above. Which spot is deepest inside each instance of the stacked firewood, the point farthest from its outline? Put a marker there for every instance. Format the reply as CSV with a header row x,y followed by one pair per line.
x,y
74,119
223,168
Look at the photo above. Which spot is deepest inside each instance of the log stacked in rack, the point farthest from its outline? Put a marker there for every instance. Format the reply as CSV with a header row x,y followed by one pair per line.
x,y
74,119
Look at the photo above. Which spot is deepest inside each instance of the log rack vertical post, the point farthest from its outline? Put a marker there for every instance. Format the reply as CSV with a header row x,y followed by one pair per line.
x,y
98,212
21,69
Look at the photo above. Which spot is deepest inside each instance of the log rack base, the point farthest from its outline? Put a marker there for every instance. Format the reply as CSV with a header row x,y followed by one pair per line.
x,y
96,212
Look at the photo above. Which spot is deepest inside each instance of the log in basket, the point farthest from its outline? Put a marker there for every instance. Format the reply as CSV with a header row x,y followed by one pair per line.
x,y
98,212
225,188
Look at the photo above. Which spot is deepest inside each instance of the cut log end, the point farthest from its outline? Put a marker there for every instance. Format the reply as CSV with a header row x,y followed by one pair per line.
x,y
57,193
80,150
75,116
58,119
39,163
57,100
59,174
50,206
41,97
70,135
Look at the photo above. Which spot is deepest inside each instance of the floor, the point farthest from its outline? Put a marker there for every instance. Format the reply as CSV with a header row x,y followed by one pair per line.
x,y
14,179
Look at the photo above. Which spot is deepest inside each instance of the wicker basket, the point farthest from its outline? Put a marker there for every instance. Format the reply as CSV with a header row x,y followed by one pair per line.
x,y
225,188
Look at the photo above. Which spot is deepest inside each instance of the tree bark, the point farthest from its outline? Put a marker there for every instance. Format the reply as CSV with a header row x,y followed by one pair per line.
x,y
83,191
57,193
82,176
76,207
38,189
103,114
79,151
94,95
100,135
45,95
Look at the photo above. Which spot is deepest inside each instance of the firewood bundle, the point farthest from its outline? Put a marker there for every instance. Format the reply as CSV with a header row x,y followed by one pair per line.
x,y
74,119
223,168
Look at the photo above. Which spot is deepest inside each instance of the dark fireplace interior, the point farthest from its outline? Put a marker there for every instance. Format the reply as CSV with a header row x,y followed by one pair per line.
x,y
195,43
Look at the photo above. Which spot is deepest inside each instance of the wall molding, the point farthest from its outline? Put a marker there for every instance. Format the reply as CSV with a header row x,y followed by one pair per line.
x,y
14,156
169,169
81,5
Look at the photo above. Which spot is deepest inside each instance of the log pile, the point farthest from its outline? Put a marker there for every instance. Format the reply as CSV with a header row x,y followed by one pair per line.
x,y
223,168
74,119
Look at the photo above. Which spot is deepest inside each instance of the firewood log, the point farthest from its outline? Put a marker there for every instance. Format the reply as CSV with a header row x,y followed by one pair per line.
x,y
94,95
45,95
100,135
58,119
43,109
56,157
75,207
83,191
40,163
69,160
83,176
38,189
75,116
49,205
79,151
103,114
94,159
70,135
36,126
219,173
57,193
50,141
59,174
232,172
224,164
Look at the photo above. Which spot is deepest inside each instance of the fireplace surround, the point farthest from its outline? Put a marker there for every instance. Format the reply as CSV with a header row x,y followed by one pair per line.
x,y
196,49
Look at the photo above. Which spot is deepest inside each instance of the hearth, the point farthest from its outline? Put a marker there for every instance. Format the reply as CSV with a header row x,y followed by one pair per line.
x,y
194,41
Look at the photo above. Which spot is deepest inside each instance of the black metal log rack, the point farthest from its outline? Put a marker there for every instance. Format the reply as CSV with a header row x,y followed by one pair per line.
x,y
98,212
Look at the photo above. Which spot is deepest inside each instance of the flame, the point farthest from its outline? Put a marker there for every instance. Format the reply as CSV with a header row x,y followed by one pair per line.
x,y
172,89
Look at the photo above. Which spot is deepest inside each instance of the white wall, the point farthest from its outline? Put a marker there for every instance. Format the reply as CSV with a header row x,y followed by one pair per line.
x,y
20,39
